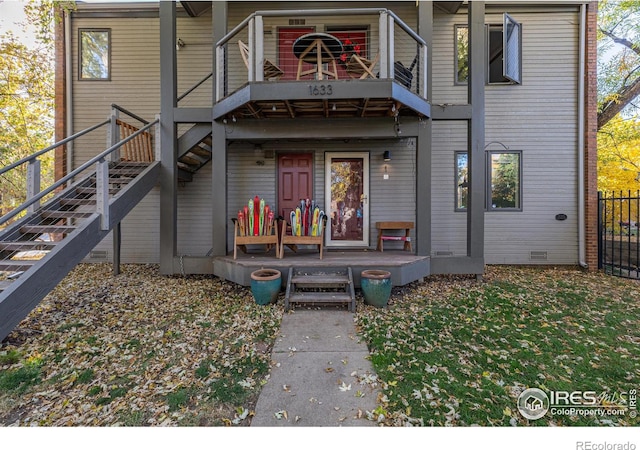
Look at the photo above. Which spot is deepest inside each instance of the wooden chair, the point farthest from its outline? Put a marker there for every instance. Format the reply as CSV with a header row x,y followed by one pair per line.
x,y
271,71
361,68
293,241
241,239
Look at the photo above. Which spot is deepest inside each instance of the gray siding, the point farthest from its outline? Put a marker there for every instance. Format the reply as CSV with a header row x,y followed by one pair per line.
x,y
392,199
135,85
538,118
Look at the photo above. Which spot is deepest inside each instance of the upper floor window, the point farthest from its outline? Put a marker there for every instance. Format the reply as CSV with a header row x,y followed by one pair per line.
x,y
95,54
504,53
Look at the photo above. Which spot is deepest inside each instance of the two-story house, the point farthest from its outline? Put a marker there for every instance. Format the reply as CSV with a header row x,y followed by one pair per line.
x,y
473,121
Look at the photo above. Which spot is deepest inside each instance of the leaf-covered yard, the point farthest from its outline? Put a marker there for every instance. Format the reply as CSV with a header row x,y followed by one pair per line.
x,y
143,349
137,349
455,352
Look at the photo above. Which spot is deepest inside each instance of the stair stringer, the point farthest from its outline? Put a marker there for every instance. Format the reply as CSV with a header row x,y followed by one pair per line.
x,y
26,292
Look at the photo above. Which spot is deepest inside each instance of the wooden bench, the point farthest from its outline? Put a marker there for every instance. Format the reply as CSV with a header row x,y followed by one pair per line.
x,y
384,227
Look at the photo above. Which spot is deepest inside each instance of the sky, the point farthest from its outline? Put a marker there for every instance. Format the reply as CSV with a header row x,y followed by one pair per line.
x,y
11,15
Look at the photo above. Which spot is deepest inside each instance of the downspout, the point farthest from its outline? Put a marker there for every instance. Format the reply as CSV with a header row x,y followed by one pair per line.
x,y
68,87
581,128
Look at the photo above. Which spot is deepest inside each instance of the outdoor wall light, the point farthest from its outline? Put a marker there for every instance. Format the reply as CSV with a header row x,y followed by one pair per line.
x,y
387,155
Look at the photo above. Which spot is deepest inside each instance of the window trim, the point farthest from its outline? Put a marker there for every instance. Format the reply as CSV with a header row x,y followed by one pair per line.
x,y
456,69
489,184
80,58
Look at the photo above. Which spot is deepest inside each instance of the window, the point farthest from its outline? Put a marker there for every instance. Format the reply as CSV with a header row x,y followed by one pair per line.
x,y
95,54
462,180
504,180
504,185
504,54
462,54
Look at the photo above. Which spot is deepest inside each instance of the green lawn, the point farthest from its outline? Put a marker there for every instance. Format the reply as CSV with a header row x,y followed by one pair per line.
x,y
453,351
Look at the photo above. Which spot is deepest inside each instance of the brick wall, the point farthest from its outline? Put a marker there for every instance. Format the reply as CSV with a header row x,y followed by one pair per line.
x,y
590,142
60,167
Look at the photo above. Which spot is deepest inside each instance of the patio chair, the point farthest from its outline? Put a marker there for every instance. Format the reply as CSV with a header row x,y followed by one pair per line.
x,y
361,68
271,70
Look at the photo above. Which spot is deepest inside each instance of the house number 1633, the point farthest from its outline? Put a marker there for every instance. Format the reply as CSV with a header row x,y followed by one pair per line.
x,y
321,89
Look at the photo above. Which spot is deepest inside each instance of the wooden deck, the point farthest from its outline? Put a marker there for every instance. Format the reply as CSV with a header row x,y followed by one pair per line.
x,y
405,267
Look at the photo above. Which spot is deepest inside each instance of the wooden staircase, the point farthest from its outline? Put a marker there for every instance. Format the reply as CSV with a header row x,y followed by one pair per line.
x,y
194,151
34,262
320,286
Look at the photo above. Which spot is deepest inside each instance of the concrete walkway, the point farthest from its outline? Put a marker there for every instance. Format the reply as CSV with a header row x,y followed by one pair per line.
x,y
319,376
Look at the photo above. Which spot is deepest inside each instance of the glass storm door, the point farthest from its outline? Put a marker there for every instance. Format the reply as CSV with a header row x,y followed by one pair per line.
x,y
347,189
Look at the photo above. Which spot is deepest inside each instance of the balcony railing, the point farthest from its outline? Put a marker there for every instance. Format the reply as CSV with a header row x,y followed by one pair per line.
x,y
389,47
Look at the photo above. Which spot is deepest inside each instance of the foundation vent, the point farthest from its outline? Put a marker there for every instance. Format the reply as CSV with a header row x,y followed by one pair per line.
x,y
537,256
441,253
98,254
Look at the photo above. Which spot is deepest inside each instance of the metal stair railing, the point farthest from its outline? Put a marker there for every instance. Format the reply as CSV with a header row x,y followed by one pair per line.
x,y
102,172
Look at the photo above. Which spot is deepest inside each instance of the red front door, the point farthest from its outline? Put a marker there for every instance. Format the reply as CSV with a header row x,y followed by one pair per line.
x,y
295,181
286,59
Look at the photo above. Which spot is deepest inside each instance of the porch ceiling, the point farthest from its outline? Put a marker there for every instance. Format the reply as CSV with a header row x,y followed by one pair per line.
x,y
347,99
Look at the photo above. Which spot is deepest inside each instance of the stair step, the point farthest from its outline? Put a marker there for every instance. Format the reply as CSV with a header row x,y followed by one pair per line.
x,y
41,229
320,279
56,214
115,180
78,201
186,167
17,246
92,190
320,297
14,265
202,150
193,159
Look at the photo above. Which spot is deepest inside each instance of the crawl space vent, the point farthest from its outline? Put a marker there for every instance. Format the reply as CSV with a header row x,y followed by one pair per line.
x,y
537,256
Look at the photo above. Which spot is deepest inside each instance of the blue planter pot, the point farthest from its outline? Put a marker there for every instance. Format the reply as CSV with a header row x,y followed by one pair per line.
x,y
265,285
376,287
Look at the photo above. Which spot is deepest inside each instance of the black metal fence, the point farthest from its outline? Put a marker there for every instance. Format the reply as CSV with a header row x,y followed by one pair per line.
x,y
618,246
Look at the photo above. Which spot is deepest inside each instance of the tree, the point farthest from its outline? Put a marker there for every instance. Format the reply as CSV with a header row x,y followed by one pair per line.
x,y
26,113
27,99
619,155
619,58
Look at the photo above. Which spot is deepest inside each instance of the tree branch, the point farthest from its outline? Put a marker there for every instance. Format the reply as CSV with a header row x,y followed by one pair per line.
x,y
622,41
624,96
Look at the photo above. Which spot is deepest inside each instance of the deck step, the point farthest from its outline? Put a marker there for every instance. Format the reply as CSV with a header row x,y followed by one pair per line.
x,y
320,297
320,279
320,286
18,246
